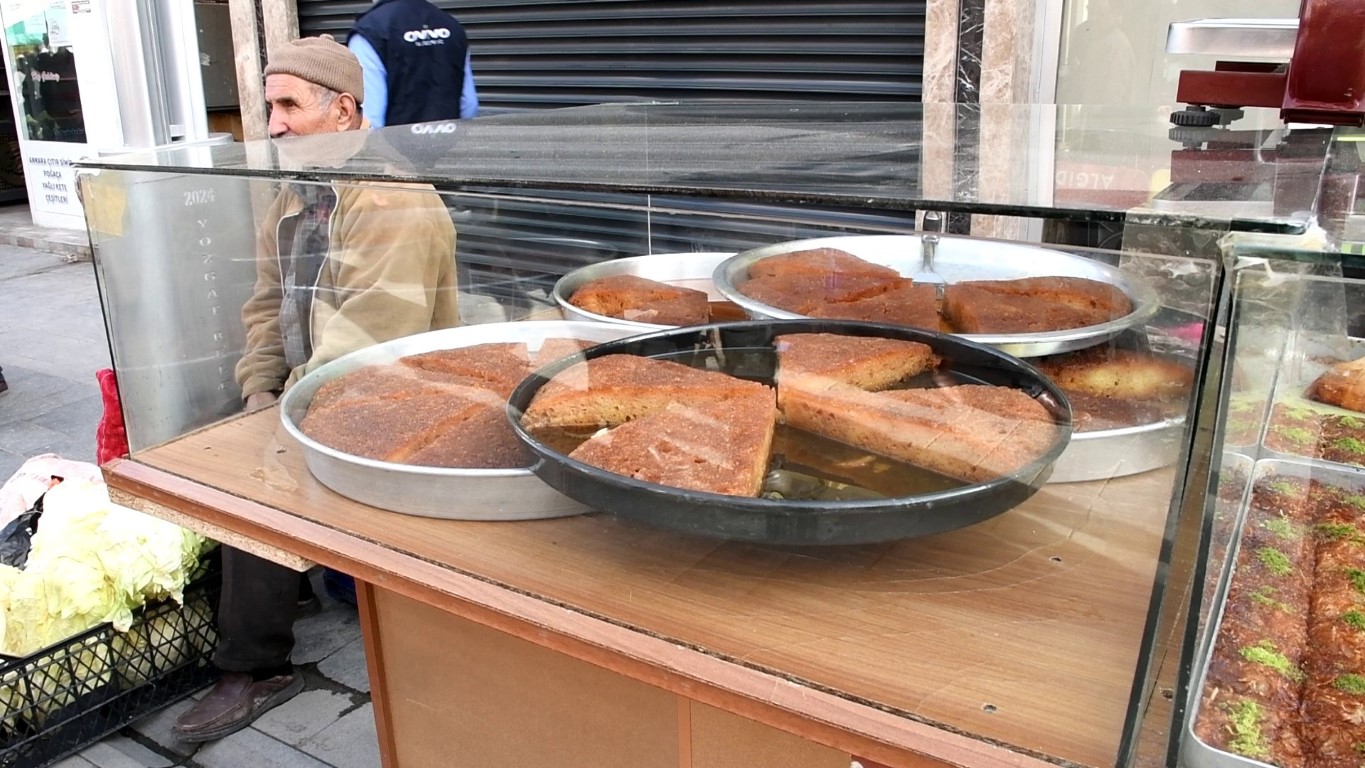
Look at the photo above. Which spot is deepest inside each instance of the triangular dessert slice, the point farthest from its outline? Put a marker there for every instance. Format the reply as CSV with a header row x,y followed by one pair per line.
x,y
391,429
970,433
717,447
818,263
613,389
1342,385
631,297
820,360
906,304
803,294
500,366
481,439
969,308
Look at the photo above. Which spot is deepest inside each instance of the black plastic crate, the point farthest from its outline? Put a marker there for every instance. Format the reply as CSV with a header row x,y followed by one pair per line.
x,y
72,694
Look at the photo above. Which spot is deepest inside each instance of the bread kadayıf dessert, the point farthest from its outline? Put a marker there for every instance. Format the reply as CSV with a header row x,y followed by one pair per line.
x,y
819,263
838,387
613,389
820,360
906,304
639,299
717,447
1121,373
974,436
1342,385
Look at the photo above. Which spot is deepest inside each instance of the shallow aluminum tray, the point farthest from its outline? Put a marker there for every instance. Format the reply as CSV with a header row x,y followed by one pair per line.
x,y
1108,453
1194,752
747,350
957,259
686,270
453,494
1271,453
1219,570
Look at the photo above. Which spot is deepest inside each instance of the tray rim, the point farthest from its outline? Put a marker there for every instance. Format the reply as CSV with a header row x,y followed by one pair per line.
x,y
804,507
580,276
1144,298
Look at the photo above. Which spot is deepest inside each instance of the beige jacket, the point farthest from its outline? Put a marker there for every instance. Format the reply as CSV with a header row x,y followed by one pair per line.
x,y
389,272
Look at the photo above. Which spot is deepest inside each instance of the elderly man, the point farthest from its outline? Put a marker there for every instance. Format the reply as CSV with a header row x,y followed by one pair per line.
x,y
339,267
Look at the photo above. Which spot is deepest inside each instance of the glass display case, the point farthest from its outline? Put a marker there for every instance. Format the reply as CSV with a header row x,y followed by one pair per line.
x,y
1064,627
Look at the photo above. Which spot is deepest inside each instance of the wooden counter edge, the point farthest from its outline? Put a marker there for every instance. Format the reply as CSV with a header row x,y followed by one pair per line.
x,y
210,531
863,731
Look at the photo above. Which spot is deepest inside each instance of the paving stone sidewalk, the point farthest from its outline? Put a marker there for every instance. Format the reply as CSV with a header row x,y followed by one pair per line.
x,y
52,341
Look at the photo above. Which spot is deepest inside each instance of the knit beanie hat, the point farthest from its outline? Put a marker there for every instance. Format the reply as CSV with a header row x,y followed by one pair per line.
x,y
320,60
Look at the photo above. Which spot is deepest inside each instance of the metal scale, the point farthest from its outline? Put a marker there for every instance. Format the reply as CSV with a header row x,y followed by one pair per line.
x,y
1311,69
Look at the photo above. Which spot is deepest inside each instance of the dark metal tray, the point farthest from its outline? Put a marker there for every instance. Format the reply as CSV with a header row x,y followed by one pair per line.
x,y
746,350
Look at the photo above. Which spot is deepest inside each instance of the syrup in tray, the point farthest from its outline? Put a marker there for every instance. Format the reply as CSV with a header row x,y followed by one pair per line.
x,y
807,466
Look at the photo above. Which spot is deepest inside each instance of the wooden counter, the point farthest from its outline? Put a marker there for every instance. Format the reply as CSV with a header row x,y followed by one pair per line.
x,y
1012,642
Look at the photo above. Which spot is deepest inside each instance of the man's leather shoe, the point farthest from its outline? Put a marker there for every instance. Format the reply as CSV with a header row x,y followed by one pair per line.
x,y
233,704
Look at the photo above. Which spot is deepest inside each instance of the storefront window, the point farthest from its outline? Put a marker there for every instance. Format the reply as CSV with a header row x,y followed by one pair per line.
x,y
44,70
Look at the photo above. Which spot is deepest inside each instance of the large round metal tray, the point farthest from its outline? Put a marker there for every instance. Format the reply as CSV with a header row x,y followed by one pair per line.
x,y
686,270
746,350
454,494
1108,453
957,259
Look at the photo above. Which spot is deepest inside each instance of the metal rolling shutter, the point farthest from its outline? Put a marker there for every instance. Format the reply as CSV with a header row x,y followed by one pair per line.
x,y
555,53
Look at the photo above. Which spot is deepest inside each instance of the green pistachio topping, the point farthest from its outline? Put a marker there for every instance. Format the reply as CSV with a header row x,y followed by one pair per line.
x,y
1338,531
1244,717
1266,596
1350,445
1357,577
1267,655
1352,684
1351,422
1359,747
1275,561
1281,486
1354,619
1298,435
1283,527
1356,500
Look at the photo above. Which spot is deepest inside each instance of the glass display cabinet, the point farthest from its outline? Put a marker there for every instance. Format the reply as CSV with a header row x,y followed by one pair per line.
x,y
1055,611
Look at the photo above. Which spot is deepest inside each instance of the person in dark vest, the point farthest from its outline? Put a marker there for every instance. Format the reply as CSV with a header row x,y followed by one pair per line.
x,y
416,62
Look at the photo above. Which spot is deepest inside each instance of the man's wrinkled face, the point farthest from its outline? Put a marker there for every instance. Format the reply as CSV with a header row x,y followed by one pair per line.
x,y
298,109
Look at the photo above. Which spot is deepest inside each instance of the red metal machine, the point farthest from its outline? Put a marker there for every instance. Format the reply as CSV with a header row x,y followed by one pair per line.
x,y
1311,69
1322,82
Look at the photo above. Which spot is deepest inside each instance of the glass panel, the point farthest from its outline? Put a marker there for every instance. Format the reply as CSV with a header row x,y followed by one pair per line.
x,y
1034,628
1095,162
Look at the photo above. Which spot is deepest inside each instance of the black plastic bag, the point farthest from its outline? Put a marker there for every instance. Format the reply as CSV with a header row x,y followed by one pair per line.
x,y
16,539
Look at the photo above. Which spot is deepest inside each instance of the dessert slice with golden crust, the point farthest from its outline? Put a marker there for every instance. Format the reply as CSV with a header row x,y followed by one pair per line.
x,y
1342,385
969,433
803,294
613,389
820,360
383,380
819,263
630,297
482,438
906,304
1081,293
1120,373
716,447
392,429
499,365
968,308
